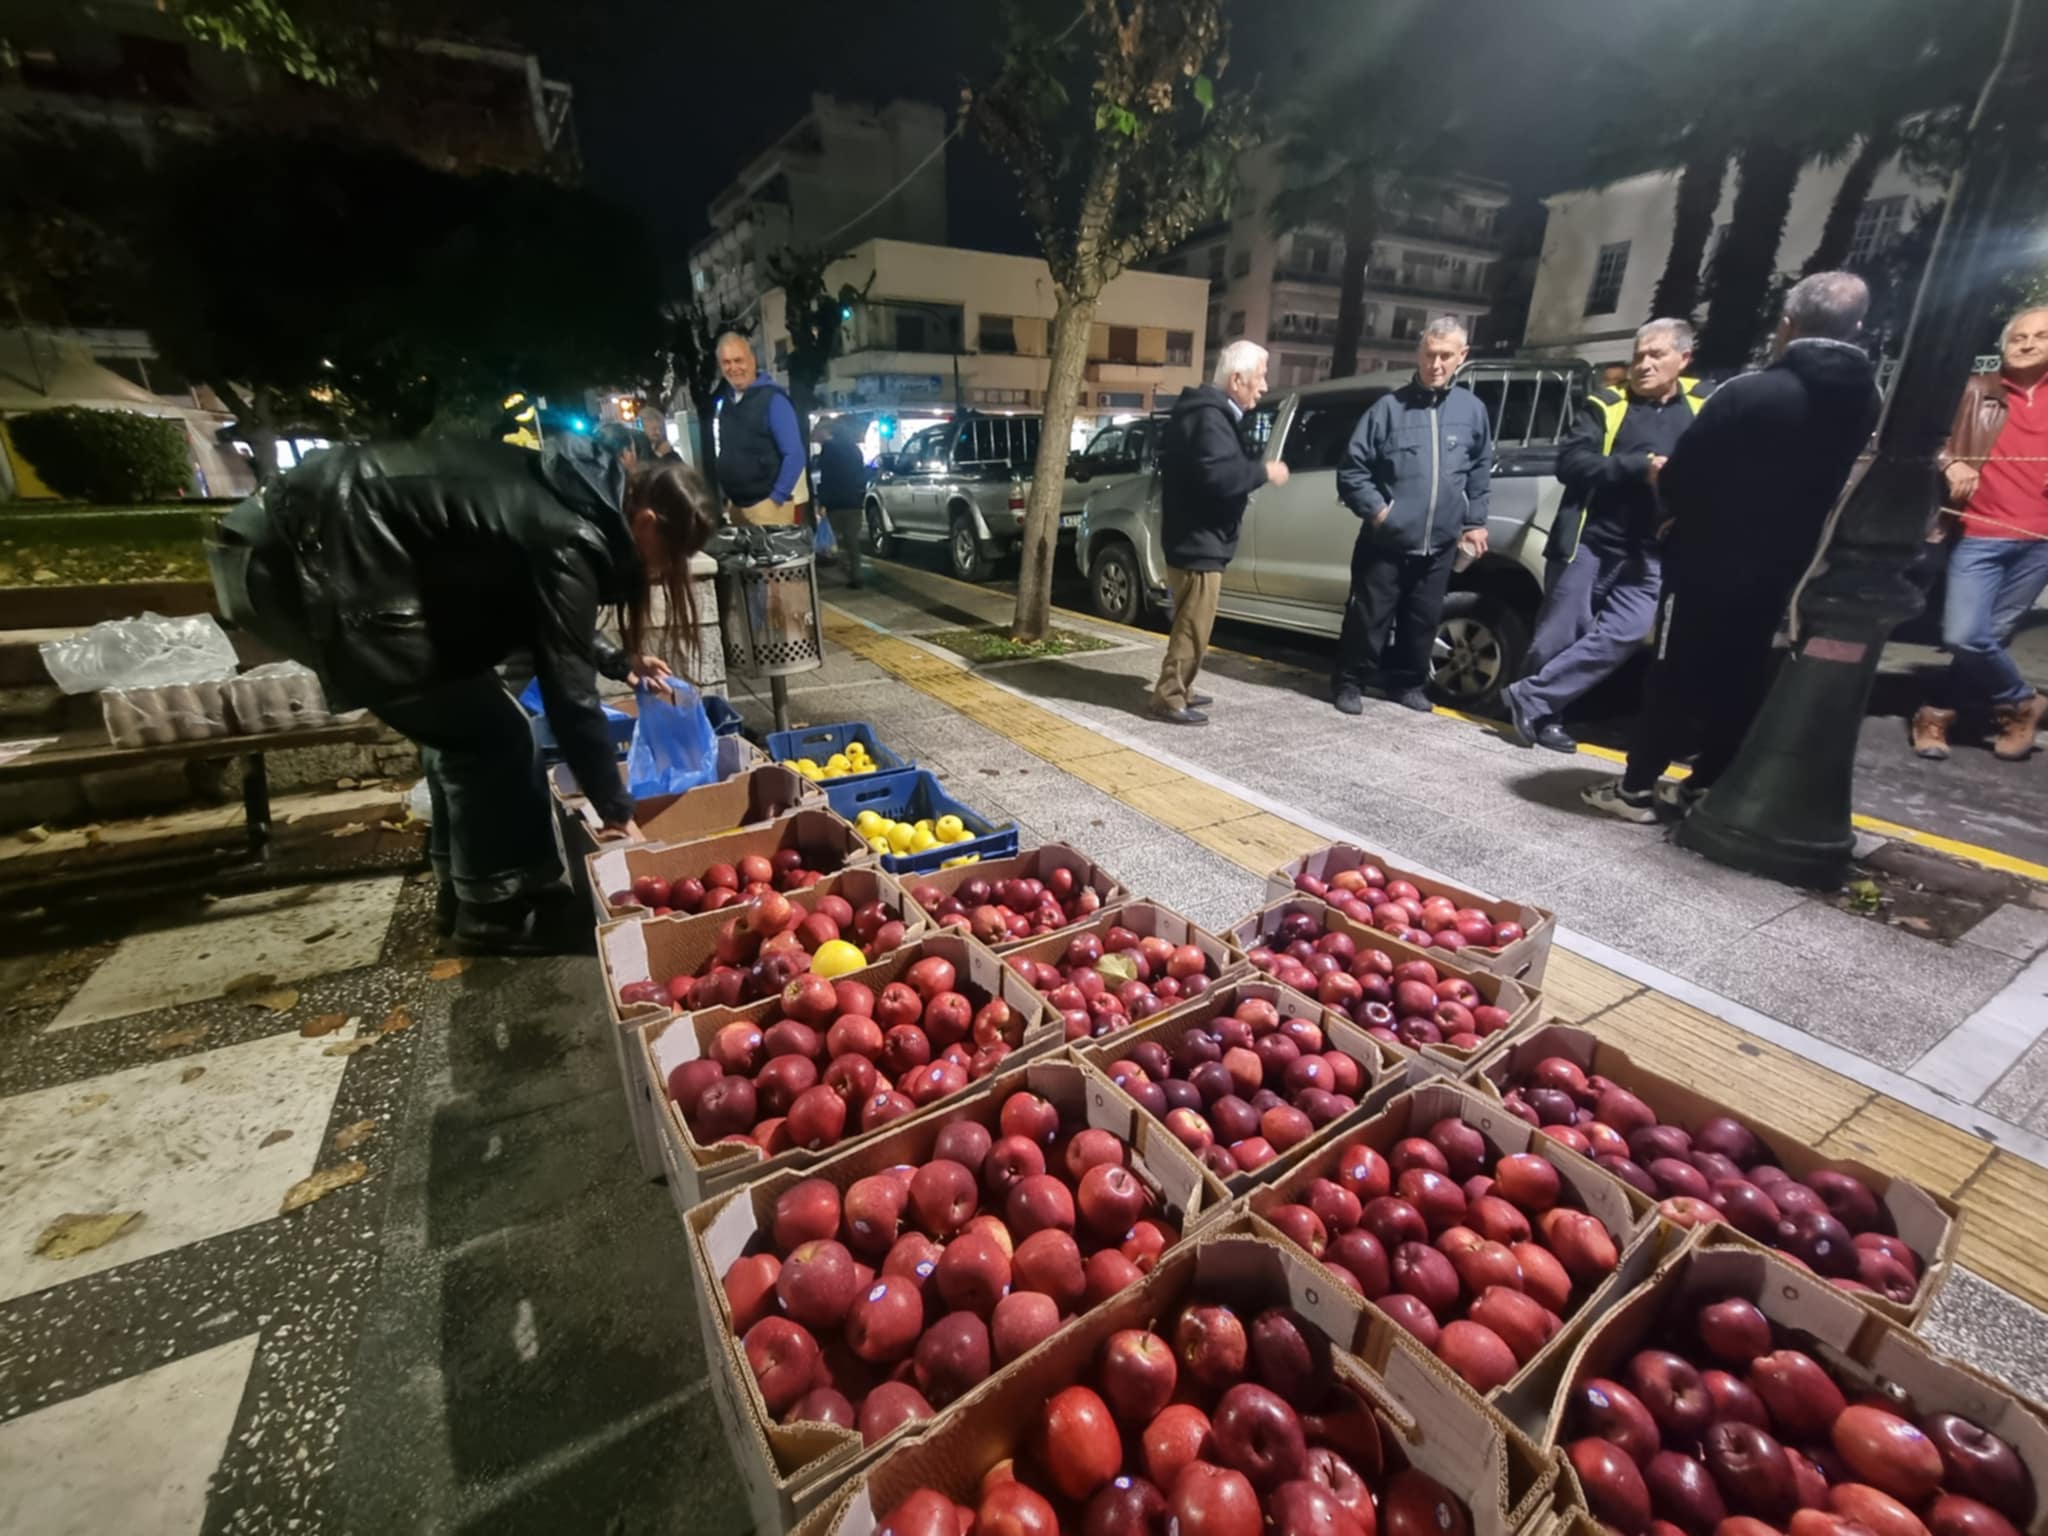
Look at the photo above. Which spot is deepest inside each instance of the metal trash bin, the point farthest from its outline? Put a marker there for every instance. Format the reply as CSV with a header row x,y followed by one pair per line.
x,y
768,605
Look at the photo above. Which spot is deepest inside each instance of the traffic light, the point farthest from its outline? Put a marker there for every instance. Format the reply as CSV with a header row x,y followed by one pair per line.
x,y
846,314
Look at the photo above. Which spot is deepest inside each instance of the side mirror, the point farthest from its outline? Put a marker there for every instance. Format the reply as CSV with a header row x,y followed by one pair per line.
x,y
1078,468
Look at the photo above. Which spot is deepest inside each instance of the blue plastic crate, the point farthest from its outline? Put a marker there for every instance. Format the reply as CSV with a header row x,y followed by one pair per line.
x,y
914,795
819,742
617,721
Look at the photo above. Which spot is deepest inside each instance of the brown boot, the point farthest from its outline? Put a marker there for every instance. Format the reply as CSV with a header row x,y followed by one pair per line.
x,y
1930,730
2017,724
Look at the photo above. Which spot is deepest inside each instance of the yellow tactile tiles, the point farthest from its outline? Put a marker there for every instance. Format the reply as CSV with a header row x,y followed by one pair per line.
x,y
2002,1196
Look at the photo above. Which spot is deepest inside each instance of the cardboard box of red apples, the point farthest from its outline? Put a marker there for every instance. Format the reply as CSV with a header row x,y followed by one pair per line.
x,y
818,841
1493,1245
1426,1002
1233,1391
1735,1386
798,1247
1251,1037
660,951
1083,889
1123,965
1698,1181
1355,874
938,996
736,756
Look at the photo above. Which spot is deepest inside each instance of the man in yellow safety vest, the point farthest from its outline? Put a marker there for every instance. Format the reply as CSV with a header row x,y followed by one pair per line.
x,y
1603,565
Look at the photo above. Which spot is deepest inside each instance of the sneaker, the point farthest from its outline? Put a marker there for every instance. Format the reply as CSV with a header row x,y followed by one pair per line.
x,y
1678,797
1415,699
1349,701
1553,737
1610,797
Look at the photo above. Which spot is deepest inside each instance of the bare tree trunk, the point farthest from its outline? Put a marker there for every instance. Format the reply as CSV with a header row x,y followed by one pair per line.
x,y
1748,259
1840,228
1361,228
1071,323
1692,225
257,421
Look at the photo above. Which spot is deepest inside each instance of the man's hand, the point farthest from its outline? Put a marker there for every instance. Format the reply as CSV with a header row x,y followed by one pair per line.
x,y
653,674
1962,482
1657,463
1383,514
620,832
1473,542
1276,472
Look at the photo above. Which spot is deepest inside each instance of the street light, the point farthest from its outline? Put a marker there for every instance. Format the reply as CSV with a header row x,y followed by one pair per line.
x,y
1783,808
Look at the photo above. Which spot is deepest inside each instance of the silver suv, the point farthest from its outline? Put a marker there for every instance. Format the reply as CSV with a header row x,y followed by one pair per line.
x,y
964,483
1293,565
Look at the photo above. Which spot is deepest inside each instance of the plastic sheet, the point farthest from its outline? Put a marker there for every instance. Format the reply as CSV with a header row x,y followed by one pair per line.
x,y
147,652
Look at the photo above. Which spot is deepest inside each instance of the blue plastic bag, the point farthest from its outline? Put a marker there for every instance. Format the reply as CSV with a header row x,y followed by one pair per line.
x,y
673,749
824,540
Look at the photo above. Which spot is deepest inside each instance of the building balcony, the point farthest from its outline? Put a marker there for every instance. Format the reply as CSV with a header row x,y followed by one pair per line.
x,y
1456,233
1397,286
1310,279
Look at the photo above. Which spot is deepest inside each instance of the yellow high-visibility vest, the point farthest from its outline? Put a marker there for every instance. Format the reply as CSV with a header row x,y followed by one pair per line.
x,y
1612,404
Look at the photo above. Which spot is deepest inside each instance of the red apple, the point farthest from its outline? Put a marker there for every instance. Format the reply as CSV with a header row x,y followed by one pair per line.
x,y
1214,1501
1212,1345
1178,1435
1137,1374
785,1360
1614,1486
1081,1446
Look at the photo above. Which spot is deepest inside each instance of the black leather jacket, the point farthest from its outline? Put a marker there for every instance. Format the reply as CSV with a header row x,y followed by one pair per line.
x,y
407,565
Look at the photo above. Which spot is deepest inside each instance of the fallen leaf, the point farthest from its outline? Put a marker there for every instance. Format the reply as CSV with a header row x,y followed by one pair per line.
x,y
178,1039
350,1136
255,981
325,1024
191,1074
325,1182
34,835
349,1047
425,877
87,1104
447,970
275,1137
283,1000
397,1019
71,1234
324,933
92,837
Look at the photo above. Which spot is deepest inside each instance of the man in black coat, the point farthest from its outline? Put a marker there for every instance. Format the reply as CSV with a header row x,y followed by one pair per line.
x,y
1206,475
1747,493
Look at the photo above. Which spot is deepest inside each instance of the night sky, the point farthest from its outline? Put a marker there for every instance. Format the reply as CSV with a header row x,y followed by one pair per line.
x,y
672,98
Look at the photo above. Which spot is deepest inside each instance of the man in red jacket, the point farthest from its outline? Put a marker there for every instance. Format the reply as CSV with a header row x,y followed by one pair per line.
x,y
1996,468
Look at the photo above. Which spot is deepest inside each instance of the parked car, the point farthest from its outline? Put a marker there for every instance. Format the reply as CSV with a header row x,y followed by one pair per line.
x,y
1293,568
965,482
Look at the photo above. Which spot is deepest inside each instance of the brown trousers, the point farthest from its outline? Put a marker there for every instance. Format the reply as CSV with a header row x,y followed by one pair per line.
x,y
1194,615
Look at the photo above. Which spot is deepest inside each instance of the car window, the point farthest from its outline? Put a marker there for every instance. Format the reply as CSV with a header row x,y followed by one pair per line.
x,y
1322,429
1138,443
1106,444
1257,427
920,452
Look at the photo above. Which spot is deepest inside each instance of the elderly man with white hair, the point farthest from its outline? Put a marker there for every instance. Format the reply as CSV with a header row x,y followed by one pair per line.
x,y
1603,566
1206,475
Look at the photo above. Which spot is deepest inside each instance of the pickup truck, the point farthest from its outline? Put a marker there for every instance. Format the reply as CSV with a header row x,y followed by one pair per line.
x,y
1293,567
964,483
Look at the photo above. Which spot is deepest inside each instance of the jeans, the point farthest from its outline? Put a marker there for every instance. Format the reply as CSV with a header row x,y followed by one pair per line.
x,y
1390,618
1596,611
1991,585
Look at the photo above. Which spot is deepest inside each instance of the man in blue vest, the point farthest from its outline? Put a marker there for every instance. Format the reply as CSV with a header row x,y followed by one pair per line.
x,y
1604,565
760,444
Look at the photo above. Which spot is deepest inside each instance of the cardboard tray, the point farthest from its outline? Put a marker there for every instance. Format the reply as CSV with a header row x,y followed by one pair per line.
x,y
819,832
1427,1416
736,755
1524,959
670,944
1147,919
1629,1218
1031,863
1928,1223
697,1172
1862,1350
1523,1003
1339,1034
789,1469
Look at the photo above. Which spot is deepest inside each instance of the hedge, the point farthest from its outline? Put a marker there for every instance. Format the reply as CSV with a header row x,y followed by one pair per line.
x,y
105,456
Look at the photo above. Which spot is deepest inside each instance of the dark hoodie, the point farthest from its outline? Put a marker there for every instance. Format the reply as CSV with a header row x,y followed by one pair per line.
x,y
1750,486
408,565
1206,475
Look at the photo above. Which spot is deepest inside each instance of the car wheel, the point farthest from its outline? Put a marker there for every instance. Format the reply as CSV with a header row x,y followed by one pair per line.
x,y
877,539
970,559
1478,650
1115,589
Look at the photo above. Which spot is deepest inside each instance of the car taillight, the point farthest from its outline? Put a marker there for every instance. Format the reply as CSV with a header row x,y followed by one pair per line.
x,y
1016,497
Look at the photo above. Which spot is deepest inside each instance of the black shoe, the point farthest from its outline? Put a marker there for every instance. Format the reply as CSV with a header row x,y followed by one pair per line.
x,y
445,908
545,923
1415,699
1199,701
1349,701
1179,716
1554,738
1521,726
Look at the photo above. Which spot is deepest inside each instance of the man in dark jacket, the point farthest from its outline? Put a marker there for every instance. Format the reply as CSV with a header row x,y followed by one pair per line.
x,y
1417,475
843,489
1747,493
1206,475
760,443
1603,565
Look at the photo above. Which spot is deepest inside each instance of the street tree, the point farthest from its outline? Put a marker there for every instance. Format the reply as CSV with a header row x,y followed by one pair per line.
x,y
1121,148
817,315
